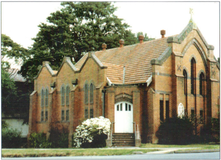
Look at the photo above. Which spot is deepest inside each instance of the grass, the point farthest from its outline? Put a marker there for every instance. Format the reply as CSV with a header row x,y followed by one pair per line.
x,y
33,152
197,146
69,152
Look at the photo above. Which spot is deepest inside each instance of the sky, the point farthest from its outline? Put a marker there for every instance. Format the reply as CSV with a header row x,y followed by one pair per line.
x,y
20,20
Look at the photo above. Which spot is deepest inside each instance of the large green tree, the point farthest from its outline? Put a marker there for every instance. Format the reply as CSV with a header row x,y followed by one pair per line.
x,y
10,50
15,99
77,28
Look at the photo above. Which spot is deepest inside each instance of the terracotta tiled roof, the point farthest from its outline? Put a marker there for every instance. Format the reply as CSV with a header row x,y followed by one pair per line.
x,y
114,73
136,59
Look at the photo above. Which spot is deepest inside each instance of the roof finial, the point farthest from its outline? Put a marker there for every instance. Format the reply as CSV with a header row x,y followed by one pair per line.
x,y
191,19
191,14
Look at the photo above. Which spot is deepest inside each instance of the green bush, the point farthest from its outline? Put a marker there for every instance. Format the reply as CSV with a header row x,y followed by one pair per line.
x,y
59,138
38,140
4,124
175,131
211,132
98,141
11,138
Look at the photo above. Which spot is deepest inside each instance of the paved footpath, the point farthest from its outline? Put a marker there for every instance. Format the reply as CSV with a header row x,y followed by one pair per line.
x,y
170,150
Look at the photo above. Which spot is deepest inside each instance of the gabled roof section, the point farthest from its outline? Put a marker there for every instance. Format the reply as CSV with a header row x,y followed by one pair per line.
x,y
79,65
68,61
191,26
128,64
48,67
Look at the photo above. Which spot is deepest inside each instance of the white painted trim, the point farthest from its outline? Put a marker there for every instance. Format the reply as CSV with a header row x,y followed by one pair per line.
x,y
109,82
149,80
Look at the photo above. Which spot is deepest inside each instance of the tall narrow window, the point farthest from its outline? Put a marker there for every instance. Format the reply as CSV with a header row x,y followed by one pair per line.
x,y
86,93
201,116
91,113
46,97
42,115
67,95
42,104
185,81
125,106
192,114
62,115
161,110
201,83
62,96
91,94
67,115
167,109
86,113
46,115
193,75
42,98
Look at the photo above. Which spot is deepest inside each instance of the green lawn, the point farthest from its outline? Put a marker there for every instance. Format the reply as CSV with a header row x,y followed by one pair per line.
x,y
197,146
69,152
33,152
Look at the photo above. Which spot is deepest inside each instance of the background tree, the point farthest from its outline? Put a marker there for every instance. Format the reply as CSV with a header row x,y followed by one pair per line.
x,y
10,50
15,98
77,28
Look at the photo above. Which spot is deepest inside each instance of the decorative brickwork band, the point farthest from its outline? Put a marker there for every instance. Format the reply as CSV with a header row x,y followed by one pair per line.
x,y
123,97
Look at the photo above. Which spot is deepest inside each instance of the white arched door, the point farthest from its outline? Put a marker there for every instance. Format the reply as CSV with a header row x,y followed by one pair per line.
x,y
123,117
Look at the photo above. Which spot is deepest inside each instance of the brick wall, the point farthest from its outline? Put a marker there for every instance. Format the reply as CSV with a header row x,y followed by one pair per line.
x,y
167,85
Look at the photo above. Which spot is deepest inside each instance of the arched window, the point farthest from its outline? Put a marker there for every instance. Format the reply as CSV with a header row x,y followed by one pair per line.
x,y
201,83
62,96
193,75
42,98
86,93
46,97
67,95
185,81
91,93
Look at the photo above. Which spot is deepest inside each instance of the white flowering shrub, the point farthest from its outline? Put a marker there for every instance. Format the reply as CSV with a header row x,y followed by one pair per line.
x,y
92,133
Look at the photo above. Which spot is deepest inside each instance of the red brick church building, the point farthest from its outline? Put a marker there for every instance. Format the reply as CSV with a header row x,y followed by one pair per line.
x,y
135,86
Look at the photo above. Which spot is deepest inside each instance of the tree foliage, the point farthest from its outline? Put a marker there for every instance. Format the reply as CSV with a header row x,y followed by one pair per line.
x,y
77,28
14,97
10,49
11,138
8,86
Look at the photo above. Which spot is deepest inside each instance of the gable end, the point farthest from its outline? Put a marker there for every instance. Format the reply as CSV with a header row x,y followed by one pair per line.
x,y
179,39
68,61
92,55
45,64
